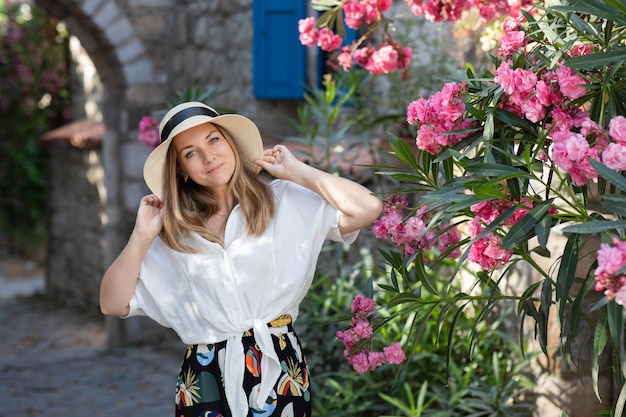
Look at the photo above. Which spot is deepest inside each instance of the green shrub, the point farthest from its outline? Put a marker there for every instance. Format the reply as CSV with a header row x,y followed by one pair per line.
x,y
33,97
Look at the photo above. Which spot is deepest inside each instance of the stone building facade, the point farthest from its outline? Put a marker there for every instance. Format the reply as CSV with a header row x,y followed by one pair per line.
x,y
143,50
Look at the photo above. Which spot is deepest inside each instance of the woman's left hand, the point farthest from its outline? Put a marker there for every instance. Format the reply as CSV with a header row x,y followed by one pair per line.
x,y
278,161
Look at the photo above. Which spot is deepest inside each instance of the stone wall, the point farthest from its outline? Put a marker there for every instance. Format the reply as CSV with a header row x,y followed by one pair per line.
x,y
75,223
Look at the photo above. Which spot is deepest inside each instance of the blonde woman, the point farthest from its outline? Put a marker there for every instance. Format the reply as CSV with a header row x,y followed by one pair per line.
x,y
224,255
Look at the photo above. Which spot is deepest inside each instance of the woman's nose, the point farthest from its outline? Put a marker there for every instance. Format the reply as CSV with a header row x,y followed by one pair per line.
x,y
207,156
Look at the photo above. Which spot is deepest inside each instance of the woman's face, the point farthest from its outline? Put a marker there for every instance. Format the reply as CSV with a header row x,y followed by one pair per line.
x,y
205,156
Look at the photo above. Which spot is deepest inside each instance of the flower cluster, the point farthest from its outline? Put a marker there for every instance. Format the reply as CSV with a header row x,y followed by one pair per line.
x,y
487,250
149,132
323,37
411,234
436,117
610,273
387,57
364,359
539,95
452,10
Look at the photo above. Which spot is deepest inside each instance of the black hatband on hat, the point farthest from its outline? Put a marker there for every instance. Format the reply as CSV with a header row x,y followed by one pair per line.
x,y
182,116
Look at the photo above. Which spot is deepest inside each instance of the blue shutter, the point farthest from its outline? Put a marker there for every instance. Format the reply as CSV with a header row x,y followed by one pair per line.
x,y
279,57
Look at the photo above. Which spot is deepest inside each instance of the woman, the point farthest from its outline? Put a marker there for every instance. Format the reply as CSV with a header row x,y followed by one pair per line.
x,y
224,257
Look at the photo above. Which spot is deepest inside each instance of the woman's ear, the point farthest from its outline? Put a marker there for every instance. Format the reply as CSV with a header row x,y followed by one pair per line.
x,y
182,174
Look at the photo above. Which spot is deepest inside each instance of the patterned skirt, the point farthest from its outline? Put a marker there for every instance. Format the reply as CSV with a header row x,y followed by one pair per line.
x,y
200,391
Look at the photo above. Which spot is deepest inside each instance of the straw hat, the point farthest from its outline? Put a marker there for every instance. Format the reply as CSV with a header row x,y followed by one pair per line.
x,y
184,116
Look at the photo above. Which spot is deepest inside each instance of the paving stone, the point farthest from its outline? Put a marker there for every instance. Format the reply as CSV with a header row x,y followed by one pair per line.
x,y
55,362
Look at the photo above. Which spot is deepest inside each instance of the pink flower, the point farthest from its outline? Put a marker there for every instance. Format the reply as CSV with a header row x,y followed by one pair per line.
x,y
384,5
488,253
488,12
504,77
345,58
349,339
308,32
363,329
524,80
359,362
394,353
571,84
149,132
414,228
620,297
363,12
511,24
383,61
420,110
611,258
547,94
362,55
614,156
375,360
511,42
520,212
426,140
327,40
449,238
475,227
533,109
580,50
362,306
617,129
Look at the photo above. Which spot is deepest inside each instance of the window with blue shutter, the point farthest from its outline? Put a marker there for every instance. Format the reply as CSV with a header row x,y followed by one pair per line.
x,y
279,58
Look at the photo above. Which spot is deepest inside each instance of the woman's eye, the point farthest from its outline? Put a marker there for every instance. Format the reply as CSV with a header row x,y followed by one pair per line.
x,y
190,154
213,139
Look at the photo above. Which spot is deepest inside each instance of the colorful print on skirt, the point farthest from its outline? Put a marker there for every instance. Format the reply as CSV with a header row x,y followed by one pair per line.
x,y
200,391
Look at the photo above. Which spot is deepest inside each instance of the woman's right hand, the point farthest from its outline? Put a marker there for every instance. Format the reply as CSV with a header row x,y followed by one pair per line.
x,y
149,217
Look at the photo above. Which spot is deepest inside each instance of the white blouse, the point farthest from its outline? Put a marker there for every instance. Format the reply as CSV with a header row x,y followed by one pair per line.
x,y
220,292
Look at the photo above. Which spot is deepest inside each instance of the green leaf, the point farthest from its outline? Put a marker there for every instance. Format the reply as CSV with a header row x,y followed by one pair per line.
x,y
597,60
544,314
542,231
489,193
600,338
496,170
621,399
403,152
565,277
576,310
520,230
511,119
608,174
614,319
422,275
601,334
595,226
402,298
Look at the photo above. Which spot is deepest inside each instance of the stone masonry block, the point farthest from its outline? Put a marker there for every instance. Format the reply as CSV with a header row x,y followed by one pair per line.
x,y
133,191
152,3
134,155
138,72
130,51
89,7
119,31
107,15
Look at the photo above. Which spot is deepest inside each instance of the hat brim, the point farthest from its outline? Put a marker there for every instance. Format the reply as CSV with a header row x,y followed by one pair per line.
x,y
245,134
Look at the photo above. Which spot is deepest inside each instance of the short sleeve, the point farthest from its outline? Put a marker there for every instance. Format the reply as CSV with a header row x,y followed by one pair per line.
x,y
335,234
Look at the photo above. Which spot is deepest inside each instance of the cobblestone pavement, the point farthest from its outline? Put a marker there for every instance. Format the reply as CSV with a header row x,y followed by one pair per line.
x,y
55,363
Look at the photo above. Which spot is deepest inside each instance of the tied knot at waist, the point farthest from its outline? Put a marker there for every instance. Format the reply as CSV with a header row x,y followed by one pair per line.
x,y
271,368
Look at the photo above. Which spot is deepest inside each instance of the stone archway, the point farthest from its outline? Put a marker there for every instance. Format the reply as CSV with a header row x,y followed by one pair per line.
x,y
109,37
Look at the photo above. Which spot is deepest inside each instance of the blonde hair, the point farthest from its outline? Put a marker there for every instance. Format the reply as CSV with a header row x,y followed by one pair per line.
x,y
187,205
